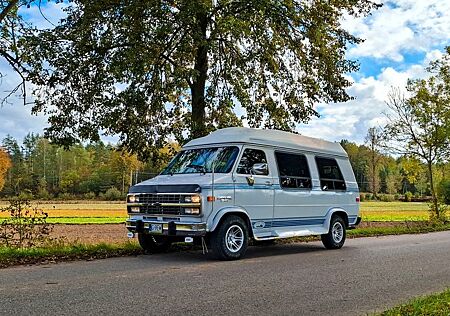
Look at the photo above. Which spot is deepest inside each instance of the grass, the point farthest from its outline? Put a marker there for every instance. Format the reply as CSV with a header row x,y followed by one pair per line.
x,y
63,252
436,304
86,220
394,211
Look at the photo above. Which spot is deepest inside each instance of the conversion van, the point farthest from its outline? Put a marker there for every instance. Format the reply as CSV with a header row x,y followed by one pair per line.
x,y
240,183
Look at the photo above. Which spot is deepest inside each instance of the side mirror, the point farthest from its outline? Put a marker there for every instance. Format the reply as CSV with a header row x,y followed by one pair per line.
x,y
260,169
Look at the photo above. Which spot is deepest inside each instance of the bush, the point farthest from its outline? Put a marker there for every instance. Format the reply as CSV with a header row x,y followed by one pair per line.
x,y
90,196
67,196
369,196
25,227
387,198
25,195
397,197
408,196
112,194
444,191
362,197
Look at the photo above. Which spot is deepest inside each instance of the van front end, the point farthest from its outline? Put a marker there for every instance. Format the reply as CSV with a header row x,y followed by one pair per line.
x,y
166,211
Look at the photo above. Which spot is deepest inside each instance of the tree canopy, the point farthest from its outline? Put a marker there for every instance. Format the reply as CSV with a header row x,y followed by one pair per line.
x,y
419,125
149,70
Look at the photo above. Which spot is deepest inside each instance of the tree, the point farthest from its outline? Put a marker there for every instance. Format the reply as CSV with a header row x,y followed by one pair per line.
x,y
148,70
374,139
420,124
5,164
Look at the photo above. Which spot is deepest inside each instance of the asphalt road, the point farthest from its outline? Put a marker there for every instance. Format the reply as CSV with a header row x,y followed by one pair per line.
x,y
367,275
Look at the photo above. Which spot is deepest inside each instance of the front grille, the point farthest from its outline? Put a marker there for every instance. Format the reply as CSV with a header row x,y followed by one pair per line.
x,y
148,201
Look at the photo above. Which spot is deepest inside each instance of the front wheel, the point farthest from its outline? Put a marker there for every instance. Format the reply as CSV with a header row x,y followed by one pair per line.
x,y
230,240
336,236
154,244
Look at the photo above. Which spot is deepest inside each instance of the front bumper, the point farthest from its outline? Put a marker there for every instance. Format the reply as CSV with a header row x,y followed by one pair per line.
x,y
170,228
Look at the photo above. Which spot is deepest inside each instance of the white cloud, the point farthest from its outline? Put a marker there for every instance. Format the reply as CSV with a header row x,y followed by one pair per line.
x,y
403,26
351,120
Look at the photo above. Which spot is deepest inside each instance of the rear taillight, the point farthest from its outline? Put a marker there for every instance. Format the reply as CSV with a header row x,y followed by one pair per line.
x,y
357,199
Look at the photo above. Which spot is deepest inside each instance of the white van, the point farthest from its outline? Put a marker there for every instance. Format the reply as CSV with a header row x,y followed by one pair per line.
x,y
241,183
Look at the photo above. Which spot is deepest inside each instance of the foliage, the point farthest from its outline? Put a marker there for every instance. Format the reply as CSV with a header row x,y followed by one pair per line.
x,y
25,227
444,191
149,70
46,171
112,194
5,164
420,124
408,196
436,304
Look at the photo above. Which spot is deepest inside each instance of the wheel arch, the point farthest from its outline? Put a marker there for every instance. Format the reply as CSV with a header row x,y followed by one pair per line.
x,y
227,211
339,212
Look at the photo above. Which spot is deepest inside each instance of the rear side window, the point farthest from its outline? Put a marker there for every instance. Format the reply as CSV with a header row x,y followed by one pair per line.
x,y
330,175
294,171
249,158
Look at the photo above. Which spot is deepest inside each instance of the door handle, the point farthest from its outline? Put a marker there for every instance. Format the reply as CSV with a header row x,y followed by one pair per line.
x,y
268,183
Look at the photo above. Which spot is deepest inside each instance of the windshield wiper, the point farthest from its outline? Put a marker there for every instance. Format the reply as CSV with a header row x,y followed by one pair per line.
x,y
197,167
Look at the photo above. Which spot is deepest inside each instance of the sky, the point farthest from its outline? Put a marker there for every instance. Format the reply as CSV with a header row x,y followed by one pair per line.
x,y
401,38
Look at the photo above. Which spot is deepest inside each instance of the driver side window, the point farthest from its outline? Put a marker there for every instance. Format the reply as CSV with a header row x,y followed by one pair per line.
x,y
249,158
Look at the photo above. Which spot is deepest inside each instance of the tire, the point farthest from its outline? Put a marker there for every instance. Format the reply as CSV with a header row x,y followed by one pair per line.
x,y
154,244
230,239
335,238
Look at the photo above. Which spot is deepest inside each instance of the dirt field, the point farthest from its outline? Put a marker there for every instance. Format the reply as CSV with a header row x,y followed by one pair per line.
x,y
117,233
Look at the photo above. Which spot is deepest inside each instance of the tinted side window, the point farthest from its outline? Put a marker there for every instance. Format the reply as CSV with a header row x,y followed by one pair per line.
x,y
249,158
294,171
330,175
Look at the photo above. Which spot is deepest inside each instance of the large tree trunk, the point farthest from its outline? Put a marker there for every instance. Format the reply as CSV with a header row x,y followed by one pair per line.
x,y
433,192
198,126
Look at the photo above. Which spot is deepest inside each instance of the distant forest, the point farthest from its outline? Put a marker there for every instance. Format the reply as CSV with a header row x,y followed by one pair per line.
x,y
42,170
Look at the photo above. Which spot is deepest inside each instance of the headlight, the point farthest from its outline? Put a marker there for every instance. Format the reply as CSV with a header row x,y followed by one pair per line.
x,y
133,198
192,199
192,211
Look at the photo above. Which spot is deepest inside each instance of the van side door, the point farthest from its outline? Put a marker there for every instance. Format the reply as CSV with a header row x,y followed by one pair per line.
x,y
254,189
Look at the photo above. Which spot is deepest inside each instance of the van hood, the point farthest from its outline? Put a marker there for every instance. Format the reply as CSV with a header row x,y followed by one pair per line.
x,y
181,183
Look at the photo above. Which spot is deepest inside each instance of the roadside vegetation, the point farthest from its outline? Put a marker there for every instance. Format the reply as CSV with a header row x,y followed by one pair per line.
x,y
436,304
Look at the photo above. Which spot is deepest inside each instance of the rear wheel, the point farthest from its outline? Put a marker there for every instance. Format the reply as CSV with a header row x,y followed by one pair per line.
x,y
230,240
335,238
154,243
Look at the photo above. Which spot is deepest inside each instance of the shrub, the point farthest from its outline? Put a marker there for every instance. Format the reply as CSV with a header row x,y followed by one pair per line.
x,y
387,198
25,195
67,196
362,197
396,197
90,196
25,227
408,196
112,194
369,196
444,191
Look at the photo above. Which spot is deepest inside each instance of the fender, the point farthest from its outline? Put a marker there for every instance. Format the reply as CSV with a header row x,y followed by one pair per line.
x,y
214,218
330,213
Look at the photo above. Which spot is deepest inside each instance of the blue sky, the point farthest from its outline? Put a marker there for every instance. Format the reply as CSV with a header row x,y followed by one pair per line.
x,y
401,38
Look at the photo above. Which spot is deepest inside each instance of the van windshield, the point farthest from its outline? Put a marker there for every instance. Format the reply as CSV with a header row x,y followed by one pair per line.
x,y
202,160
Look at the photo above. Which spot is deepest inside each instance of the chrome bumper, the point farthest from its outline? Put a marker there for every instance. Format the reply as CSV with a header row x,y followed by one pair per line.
x,y
168,228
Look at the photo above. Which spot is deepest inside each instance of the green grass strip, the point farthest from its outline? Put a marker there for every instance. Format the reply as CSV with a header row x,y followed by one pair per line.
x,y
436,304
397,230
55,253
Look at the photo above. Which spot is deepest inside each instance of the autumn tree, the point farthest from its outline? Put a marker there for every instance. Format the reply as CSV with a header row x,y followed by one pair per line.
x,y
151,70
5,164
419,125
374,140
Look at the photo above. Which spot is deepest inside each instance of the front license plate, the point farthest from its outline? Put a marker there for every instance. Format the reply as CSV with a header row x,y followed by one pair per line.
x,y
155,228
